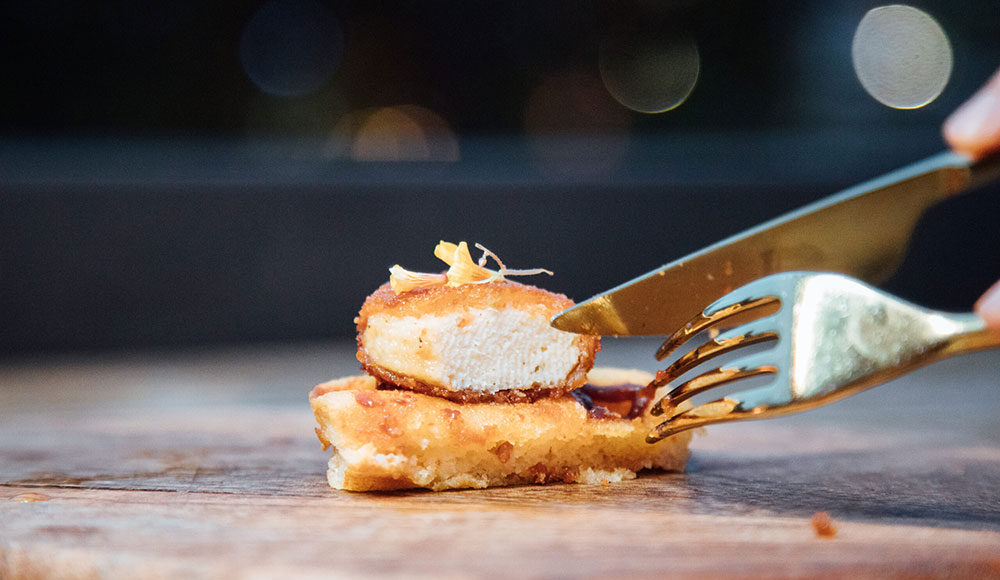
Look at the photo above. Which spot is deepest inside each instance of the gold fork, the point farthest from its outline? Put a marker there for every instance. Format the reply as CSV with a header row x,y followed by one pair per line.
x,y
836,336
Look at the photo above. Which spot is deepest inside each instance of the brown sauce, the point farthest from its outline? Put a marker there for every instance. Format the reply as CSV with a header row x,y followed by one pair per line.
x,y
626,400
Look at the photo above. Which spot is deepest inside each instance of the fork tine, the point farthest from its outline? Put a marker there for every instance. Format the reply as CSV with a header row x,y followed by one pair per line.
x,y
748,404
708,380
756,332
717,411
710,317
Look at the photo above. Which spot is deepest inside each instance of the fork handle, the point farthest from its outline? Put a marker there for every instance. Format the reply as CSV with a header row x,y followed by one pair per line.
x,y
984,171
972,334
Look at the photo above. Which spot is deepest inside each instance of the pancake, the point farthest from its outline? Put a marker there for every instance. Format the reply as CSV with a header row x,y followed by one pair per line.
x,y
398,439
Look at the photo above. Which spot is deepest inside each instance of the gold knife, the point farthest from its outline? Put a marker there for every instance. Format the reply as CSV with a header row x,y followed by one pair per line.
x,y
862,231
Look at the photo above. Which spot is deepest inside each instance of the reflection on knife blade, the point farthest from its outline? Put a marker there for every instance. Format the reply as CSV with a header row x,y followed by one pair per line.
x,y
862,231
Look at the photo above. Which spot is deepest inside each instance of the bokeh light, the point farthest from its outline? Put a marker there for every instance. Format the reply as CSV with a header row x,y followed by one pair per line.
x,y
650,73
575,129
399,133
901,56
291,48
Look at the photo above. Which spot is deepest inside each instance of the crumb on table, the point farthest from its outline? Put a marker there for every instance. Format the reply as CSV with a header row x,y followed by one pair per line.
x,y
823,525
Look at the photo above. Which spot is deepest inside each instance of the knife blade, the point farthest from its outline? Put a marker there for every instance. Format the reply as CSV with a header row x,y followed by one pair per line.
x,y
862,231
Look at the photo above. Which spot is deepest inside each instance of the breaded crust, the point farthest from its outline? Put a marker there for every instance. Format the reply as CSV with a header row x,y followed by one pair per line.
x,y
463,303
385,440
436,299
388,380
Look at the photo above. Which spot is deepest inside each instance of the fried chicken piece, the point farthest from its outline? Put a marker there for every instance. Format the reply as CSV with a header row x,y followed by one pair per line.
x,y
473,342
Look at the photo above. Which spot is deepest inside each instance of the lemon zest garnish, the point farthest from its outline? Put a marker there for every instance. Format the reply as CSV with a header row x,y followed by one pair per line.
x,y
402,280
504,270
461,270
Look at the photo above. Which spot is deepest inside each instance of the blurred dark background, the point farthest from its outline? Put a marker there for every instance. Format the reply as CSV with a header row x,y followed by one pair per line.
x,y
190,173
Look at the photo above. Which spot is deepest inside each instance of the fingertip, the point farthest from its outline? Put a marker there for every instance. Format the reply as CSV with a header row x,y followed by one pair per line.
x,y
974,128
988,307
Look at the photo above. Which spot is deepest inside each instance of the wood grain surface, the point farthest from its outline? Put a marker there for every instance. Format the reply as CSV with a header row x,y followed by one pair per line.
x,y
204,465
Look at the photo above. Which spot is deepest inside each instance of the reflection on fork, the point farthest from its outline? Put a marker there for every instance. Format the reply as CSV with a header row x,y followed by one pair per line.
x,y
835,336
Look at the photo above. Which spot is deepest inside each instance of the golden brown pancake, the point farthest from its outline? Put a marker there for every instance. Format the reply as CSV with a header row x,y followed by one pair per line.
x,y
396,439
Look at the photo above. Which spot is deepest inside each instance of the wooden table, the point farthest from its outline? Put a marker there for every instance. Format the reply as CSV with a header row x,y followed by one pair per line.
x,y
205,465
